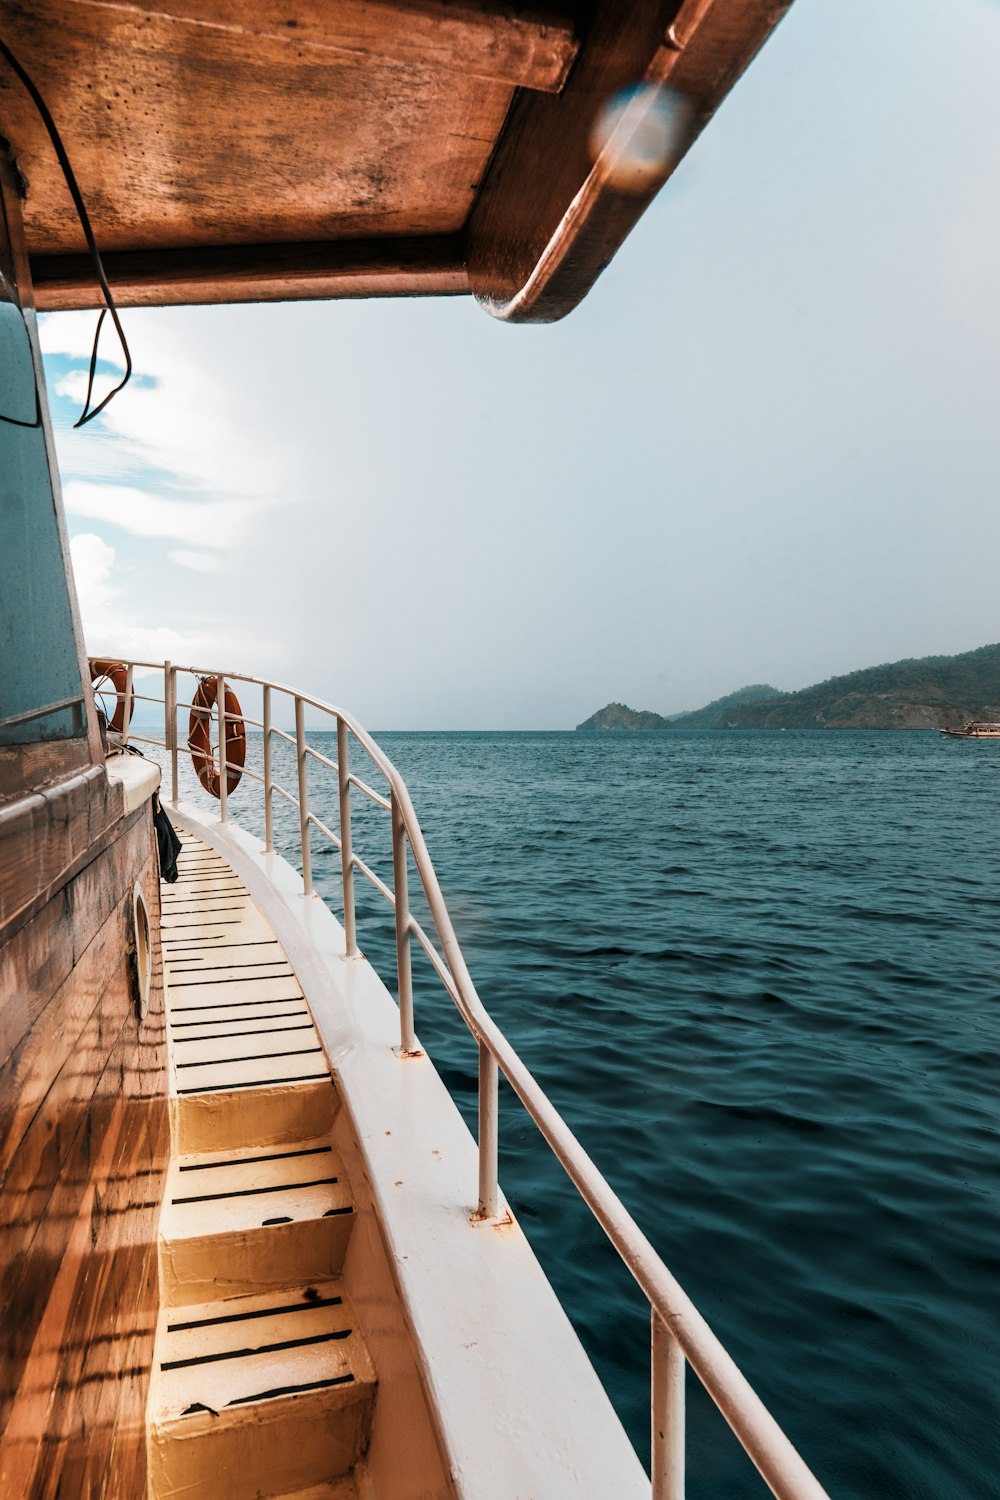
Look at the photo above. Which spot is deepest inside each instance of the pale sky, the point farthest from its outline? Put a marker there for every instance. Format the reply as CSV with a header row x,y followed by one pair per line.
x,y
763,450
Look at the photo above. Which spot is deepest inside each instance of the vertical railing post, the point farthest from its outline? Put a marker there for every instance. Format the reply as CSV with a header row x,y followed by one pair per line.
x,y
268,827
346,851
174,792
407,1037
129,703
302,758
489,1106
169,725
667,1412
220,703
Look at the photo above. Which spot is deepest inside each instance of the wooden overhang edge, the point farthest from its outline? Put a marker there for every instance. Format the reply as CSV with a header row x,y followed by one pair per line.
x,y
548,219
422,266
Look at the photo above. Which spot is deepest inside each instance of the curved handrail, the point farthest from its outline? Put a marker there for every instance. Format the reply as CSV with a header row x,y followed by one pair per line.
x,y
676,1323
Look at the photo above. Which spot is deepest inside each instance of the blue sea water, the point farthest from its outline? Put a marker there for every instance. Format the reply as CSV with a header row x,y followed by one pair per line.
x,y
759,974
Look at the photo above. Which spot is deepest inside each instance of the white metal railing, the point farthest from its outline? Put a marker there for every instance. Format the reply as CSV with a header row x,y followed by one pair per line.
x,y
679,1334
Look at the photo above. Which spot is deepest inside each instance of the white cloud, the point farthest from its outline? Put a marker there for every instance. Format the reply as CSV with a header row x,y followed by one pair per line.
x,y
73,334
208,523
100,457
198,562
108,626
73,384
185,414
179,455
93,566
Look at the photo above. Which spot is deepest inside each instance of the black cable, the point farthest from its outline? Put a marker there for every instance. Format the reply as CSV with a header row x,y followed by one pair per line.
x,y
50,125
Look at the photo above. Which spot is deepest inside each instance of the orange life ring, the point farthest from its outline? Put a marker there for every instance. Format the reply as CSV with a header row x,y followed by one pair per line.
x,y
200,740
115,673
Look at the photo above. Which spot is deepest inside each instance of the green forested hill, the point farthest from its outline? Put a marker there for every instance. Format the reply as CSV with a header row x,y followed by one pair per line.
x,y
619,716
928,692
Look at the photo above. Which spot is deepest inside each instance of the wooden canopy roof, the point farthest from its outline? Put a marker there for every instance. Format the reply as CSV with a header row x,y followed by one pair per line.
x,y
249,150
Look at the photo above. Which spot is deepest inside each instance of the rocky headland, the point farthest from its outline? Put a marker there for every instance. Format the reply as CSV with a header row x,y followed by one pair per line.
x,y
930,692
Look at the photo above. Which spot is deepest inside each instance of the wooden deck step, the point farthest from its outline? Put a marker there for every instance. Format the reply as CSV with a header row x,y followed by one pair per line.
x,y
238,1221
258,1396
261,1385
266,1116
246,1062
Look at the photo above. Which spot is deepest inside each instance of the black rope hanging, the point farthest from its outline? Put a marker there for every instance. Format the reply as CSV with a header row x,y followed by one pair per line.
x,y
87,415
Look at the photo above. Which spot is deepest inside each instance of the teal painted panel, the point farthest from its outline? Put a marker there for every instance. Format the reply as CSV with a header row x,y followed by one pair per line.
x,y
38,660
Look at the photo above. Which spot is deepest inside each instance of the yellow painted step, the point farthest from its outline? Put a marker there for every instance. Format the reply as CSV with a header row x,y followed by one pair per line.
x,y
242,1221
258,1396
266,1114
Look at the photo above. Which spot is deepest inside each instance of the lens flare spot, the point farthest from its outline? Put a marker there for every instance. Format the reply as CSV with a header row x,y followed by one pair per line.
x,y
636,136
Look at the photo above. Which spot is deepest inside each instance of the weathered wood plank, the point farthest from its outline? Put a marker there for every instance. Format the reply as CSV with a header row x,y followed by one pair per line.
x,y
28,1399
35,1169
95,1333
44,834
45,1048
36,765
78,1209
525,48
42,951
38,1211
169,125
127,1459
548,217
104,1295
95,1359
427,266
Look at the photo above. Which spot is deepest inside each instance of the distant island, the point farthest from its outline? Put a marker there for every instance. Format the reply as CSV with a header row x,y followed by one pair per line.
x,y
930,692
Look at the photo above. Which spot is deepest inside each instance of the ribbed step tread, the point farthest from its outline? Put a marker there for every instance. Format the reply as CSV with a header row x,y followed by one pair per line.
x,y
240,1190
238,1221
215,1356
209,907
246,1061
257,1395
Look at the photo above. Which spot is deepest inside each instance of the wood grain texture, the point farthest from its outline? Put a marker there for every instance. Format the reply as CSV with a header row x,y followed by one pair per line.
x,y
547,219
84,1142
43,1018
185,136
506,43
47,834
40,764
40,956
430,266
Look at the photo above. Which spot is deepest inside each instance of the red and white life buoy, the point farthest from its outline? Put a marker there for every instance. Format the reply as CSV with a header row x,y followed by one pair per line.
x,y
200,738
113,674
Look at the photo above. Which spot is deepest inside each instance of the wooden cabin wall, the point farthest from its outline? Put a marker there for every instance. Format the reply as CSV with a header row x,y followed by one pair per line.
x,y
84,1143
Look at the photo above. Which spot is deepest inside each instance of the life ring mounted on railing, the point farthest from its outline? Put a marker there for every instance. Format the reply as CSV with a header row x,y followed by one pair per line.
x,y
113,674
200,737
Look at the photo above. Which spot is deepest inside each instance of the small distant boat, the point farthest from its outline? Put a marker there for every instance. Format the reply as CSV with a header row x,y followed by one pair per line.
x,y
974,729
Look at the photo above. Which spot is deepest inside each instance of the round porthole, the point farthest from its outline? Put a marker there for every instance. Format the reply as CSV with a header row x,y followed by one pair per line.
x,y
143,957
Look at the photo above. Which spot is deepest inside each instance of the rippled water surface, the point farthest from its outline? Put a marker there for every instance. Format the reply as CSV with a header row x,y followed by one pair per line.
x,y
758,973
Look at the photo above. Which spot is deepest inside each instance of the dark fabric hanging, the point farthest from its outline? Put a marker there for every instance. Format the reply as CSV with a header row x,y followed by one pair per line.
x,y
167,843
